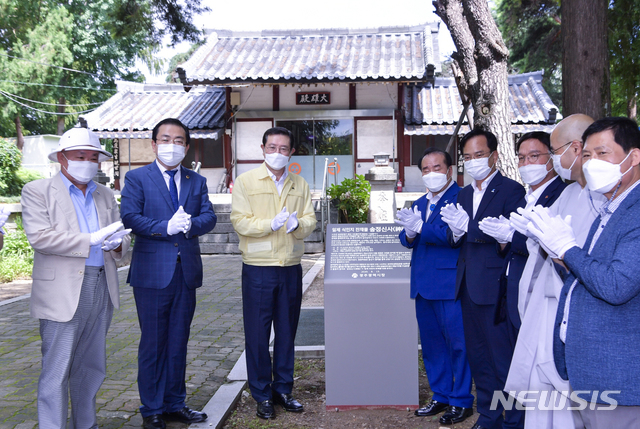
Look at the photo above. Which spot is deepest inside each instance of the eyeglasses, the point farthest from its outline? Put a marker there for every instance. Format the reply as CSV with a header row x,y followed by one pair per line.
x,y
476,156
554,151
177,141
531,158
284,150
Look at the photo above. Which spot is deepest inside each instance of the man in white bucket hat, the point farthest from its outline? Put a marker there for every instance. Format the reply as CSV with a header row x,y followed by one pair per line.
x,y
74,227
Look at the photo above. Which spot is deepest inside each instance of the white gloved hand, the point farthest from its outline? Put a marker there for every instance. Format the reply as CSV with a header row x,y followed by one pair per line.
x,y
178,222
410,220
554,233
280,219
520,220
4,215
99,236
113,241
457,219
498,228
292,222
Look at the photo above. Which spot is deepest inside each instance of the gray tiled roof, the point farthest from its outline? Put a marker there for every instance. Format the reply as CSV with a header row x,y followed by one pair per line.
x,y
138,107
439,105
390,53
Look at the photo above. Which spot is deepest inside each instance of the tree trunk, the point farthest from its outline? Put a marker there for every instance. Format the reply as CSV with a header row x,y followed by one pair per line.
x,y
482,58
19,136
585,58
632,108
61,109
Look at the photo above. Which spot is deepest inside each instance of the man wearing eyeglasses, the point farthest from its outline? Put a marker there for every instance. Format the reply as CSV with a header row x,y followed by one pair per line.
x,y
478,273
167,206
272,213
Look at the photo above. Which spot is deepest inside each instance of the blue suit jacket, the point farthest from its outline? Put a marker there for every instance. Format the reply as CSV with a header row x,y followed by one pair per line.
x,y
517,254
479,264
601,351
146,208
433,261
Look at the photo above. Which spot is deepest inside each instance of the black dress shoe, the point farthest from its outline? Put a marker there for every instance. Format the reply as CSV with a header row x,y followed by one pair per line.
x,y
185,415
153,422
265,410
455,415
477,426
431,409
287,402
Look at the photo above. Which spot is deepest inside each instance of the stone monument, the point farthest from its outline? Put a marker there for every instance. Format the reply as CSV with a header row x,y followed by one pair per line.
x,y
383,179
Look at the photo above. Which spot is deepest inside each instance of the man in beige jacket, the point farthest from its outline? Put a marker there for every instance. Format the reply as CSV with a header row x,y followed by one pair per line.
x,y
73,225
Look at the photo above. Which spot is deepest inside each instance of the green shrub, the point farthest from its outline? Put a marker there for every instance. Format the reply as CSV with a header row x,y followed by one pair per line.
x,y
351,197
10,159
16,256
26,175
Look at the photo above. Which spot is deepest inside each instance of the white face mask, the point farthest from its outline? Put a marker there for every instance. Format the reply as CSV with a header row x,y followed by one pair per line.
x,y
479,168
276,160
532,174
435,181
601,175
82,171
170,154
565,173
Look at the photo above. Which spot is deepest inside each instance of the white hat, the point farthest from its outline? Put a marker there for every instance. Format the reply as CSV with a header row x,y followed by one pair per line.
x,y
79,139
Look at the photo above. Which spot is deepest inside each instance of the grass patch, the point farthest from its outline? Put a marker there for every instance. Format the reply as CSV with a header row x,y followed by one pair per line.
x,y
16,256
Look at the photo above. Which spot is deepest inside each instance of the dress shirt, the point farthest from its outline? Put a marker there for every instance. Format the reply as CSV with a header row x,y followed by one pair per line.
x,y
433,199
87,217
606,211
478,193
279,183
177,178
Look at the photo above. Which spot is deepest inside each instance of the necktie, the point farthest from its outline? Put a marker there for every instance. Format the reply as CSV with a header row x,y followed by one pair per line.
x,y
173,189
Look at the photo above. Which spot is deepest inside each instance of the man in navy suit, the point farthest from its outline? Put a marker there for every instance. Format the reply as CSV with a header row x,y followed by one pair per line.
x,y
167,207
433,277
596,331
478,274
536,169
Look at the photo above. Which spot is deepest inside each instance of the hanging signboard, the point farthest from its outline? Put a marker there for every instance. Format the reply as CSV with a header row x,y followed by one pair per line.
x,y
313,98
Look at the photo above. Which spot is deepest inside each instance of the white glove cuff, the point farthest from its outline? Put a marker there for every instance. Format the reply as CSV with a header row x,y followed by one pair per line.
x,y
565,248
410,233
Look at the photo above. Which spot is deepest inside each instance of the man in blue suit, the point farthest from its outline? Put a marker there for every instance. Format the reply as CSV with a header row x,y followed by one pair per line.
x,y
433,277
596,332
167,207
478,273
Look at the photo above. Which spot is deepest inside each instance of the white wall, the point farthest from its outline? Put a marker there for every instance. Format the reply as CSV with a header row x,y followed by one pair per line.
x,y
255,98
380,96
36,151
249,139
375,136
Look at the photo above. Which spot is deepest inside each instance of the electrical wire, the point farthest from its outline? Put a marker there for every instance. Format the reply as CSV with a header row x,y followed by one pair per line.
x,y
50,65
58,86
49,104
44,111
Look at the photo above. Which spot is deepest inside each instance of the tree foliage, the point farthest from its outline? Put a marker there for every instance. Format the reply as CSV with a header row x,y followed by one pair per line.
x,y
531,31
44,41
624,56
10,158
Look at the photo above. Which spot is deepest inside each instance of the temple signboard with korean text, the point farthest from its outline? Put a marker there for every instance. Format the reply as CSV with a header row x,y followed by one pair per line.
x,y
303,98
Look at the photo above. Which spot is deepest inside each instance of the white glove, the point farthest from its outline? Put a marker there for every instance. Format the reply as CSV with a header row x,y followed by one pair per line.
x,y
99,236
554,233
115,240
4,215
457,219
292,222
280,219
410,220
519,222
498,228
179,222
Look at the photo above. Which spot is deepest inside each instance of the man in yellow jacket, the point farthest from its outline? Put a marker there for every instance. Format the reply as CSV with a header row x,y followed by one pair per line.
x,y
272,213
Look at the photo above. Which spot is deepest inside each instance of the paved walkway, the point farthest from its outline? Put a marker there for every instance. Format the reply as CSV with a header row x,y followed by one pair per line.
x,y
216,343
